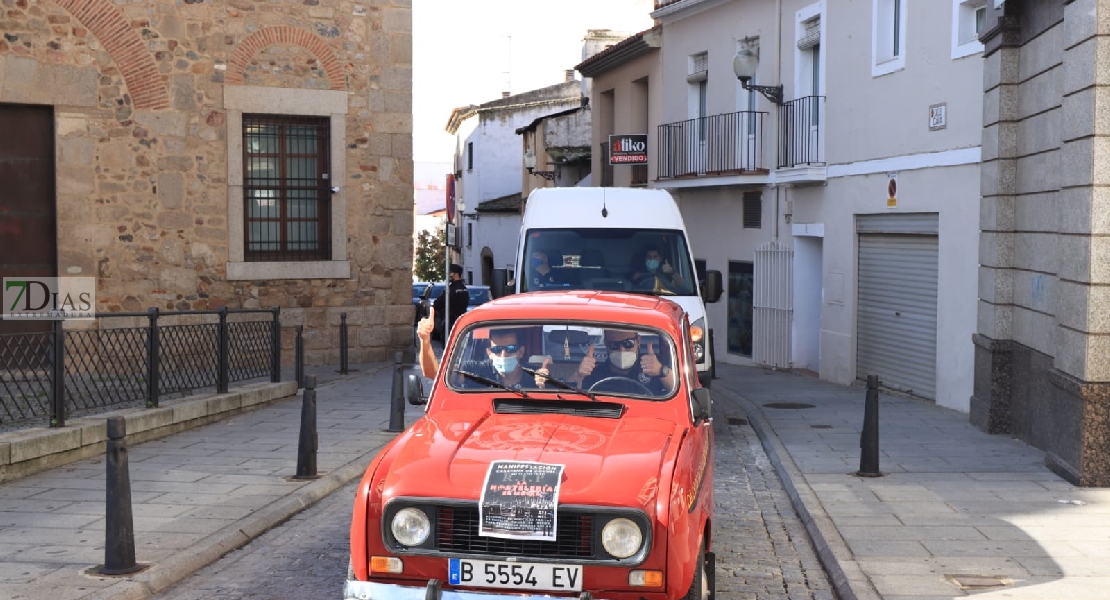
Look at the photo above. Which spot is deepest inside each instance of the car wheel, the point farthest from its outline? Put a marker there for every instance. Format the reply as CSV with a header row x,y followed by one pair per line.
x,y
699,587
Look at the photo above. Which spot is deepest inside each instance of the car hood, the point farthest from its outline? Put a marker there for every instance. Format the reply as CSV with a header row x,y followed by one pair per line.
x,y
608,461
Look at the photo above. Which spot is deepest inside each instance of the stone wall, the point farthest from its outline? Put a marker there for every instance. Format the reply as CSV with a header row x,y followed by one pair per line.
x,y
138,92
1042,354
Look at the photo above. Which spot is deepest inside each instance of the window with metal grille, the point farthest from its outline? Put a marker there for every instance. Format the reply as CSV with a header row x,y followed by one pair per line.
x,y
753,210
287,199
470,156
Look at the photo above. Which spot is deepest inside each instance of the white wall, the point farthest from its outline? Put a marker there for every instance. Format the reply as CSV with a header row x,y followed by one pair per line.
x,y
714,222
499,232
806,340
953,192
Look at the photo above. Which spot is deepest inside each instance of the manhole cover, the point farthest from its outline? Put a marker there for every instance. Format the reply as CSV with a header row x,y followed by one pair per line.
x,y
736,421
978,582
820,426
788,405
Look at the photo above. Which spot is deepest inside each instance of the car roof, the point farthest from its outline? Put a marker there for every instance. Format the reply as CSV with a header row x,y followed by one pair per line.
x,y
584,305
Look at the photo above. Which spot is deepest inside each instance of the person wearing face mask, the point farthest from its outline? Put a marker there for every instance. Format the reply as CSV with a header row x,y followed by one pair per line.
x,y
656,268
625,361
503,363
540,273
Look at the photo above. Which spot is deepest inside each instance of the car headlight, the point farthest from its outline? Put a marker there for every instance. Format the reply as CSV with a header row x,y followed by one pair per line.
x,y
621,538
697,335
410,526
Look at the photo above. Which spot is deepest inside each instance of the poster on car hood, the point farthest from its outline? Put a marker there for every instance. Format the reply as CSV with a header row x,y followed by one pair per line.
x,y
519,500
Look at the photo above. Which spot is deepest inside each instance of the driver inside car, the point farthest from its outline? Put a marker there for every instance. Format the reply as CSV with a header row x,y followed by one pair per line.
x,y
502,365
627,371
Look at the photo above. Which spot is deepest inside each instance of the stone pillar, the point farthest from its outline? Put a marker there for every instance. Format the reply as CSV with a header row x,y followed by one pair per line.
x,y
990,404
1082,360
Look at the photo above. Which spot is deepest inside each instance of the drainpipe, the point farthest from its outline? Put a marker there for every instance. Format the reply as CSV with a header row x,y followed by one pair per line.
x,y
778,79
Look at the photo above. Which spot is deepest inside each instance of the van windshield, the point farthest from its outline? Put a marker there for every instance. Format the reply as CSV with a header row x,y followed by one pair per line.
x,y
649,261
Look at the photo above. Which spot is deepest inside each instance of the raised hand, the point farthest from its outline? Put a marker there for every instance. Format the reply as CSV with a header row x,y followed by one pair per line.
x,y
424,327
588,363
667,268
649,363
542,372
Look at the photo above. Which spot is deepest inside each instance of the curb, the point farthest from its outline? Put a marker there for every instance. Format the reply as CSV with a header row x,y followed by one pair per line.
x,y
845,574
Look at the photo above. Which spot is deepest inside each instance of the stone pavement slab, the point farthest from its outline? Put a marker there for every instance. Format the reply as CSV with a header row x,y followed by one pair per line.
x,y
957,512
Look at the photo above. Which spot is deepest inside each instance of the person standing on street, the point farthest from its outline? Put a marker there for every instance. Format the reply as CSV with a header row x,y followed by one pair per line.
x,y
460,298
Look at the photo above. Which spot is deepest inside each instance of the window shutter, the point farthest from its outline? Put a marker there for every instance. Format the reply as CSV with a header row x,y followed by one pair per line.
x,y
699,71
753,210
812,35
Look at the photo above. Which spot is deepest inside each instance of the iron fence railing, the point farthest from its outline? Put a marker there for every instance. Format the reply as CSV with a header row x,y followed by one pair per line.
x,y
720,144
801,122
130,358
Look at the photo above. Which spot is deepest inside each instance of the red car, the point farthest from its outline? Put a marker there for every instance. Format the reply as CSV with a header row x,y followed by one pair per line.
x,y
566,452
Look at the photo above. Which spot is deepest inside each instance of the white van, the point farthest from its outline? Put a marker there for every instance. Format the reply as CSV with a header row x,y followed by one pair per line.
x,y
597,238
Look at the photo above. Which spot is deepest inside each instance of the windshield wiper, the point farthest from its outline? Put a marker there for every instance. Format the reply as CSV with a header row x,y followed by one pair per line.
x,y
559,383
488,381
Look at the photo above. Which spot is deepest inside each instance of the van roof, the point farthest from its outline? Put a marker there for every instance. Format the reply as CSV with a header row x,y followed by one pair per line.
x,y
637,208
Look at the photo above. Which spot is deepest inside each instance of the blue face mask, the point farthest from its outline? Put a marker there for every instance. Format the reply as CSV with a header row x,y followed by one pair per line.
x,y
536,262
651,264
503,364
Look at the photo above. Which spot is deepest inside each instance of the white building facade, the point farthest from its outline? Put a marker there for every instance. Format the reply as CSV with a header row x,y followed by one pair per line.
x,y
844,214
489,166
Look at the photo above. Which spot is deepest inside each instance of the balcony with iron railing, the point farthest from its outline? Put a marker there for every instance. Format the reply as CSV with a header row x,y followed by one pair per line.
x,y
725,145
801,144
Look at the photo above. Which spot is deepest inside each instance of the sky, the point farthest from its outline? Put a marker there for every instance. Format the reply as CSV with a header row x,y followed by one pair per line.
x,y
469,51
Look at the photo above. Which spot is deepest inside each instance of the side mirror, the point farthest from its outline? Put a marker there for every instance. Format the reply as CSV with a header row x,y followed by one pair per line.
x,y
713,286
499,285
414,390
703,406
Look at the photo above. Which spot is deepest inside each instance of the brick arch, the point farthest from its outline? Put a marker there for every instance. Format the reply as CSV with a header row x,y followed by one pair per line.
x,y
285,34
127,50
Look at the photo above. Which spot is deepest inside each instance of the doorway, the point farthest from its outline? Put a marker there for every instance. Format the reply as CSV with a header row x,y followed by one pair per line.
x,y
28,222
808,296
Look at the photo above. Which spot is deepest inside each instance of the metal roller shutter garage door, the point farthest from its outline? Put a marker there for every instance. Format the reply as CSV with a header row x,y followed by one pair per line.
x,y
896,319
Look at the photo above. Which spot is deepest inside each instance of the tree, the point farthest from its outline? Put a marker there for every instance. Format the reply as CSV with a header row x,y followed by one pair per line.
x,y
430,258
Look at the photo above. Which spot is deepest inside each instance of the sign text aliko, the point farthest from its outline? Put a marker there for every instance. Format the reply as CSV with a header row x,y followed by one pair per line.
x,y
628,149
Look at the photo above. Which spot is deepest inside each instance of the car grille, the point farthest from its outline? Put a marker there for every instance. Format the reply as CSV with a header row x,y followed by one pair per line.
x,y
457,533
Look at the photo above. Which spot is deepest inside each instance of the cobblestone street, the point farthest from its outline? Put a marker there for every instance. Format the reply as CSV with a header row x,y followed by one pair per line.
x,y
762,547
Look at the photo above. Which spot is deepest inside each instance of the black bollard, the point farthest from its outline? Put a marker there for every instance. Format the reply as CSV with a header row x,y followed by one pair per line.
x,y
119,528
309,443
397,399
298,357
869,437
342,343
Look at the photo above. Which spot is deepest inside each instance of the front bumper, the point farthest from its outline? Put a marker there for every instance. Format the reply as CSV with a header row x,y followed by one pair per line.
x,y
371,590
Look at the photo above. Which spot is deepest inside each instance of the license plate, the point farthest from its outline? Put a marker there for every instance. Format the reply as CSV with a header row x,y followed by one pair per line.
x,y
514,575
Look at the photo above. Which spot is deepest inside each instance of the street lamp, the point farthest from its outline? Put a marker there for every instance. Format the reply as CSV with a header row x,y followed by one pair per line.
x,y
530,164
744,64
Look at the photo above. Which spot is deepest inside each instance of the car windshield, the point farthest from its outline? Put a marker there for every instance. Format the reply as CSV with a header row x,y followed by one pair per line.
x,y
418,289
436,291
478,295
626,361
650,261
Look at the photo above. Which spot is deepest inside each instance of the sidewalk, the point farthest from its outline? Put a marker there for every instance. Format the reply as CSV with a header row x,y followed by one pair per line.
x,y
196,495
958,512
